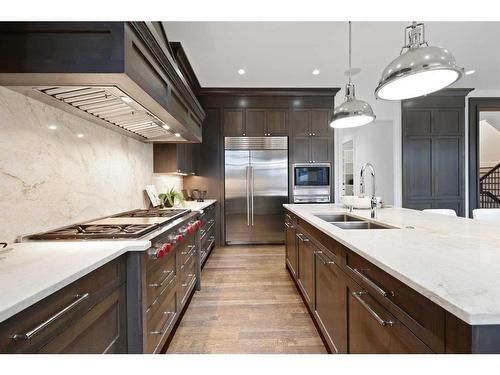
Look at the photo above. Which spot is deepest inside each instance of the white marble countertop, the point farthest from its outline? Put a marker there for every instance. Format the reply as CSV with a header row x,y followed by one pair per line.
x,y
32,271
453,261
195,206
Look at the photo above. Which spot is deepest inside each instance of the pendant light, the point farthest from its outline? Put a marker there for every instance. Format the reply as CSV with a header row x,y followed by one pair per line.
x,y
419,70
352,112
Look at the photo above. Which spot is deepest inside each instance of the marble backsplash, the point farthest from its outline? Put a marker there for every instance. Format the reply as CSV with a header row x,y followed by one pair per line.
x,y
57,169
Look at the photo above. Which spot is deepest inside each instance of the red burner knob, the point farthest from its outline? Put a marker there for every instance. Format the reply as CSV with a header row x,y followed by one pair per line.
x,y
166,247
179,238
159,253
199,223
189,229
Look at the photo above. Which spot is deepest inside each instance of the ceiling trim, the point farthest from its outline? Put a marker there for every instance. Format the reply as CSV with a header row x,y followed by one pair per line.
x,y
269,91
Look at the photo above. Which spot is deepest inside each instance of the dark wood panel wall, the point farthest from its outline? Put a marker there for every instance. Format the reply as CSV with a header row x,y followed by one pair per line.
x,y
433,145
300,114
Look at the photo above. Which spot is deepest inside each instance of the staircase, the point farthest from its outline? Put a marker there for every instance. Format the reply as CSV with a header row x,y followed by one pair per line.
x,y
489,188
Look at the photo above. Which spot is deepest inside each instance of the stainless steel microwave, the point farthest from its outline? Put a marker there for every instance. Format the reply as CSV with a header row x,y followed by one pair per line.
x,y
311,182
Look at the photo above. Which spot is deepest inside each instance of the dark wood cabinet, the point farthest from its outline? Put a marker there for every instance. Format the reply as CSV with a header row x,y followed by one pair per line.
x,y
321,149
312,136
373,330
301,149
87,316
234,122
182,158
320,123
330,300
208,232
433,130
305,258
277,122
255,122
301,123
291,245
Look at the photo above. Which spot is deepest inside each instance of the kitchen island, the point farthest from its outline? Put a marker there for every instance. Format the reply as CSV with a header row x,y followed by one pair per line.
x,y
426,283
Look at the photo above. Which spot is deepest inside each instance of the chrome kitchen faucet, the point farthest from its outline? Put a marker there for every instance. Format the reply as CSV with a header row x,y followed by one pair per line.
x,y
373,200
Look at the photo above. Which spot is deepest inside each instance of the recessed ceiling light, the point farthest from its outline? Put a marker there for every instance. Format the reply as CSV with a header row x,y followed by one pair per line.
x,y
241,71
315,72
165,126
126,99
80,135
52,127
469,72
177,134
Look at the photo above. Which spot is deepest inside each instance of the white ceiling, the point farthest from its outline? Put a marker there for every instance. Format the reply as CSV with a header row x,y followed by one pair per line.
x,y
283,54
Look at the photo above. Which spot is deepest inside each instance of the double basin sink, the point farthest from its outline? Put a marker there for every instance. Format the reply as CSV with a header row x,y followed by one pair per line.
x,y
346,221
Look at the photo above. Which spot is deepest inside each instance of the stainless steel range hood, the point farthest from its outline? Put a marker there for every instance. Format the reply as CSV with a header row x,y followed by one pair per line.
x,y
118,74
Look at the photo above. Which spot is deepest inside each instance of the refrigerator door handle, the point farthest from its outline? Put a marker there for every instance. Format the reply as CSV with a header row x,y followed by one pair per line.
x,y
247,170
251,191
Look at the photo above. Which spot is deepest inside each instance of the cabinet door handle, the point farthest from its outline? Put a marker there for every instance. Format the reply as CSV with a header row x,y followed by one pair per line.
x,y
302,237
164,280
288,225
378,318
372,284
320,257
165,325
28,335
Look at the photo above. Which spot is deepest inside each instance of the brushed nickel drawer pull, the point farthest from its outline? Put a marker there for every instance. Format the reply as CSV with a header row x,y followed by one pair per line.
x,y
372,284
320,257
28,335
160,284
165,325
288,225
378,318
190,277
189,248
302,237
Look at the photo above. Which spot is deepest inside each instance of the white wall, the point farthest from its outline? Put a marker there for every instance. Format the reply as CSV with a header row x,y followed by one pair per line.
x,y
165,182
373,143
489,144
50,178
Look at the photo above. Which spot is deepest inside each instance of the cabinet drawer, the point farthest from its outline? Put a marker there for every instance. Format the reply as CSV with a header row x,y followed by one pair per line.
x,y
160,318
373,329
101,330
187,281
424,318
187,252
39,324
157,280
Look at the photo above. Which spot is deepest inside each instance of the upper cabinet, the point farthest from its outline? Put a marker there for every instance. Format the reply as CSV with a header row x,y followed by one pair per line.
x,y
178,158
121,75
312,136
255,122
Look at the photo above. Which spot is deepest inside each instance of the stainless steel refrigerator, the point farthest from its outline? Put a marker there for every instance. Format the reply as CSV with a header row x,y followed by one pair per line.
x,y
256,187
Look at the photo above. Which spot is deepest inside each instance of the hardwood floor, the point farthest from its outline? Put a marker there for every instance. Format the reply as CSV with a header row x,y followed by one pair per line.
x,y
248,304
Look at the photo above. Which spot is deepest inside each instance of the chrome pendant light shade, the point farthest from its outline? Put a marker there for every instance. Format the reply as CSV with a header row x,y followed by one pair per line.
x,y
419,70
352,112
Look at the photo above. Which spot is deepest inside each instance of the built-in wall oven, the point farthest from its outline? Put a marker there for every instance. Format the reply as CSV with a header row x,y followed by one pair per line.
x,y
311,182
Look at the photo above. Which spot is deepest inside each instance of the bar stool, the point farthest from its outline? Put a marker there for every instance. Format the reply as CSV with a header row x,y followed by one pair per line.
x,y
487,214
441,211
